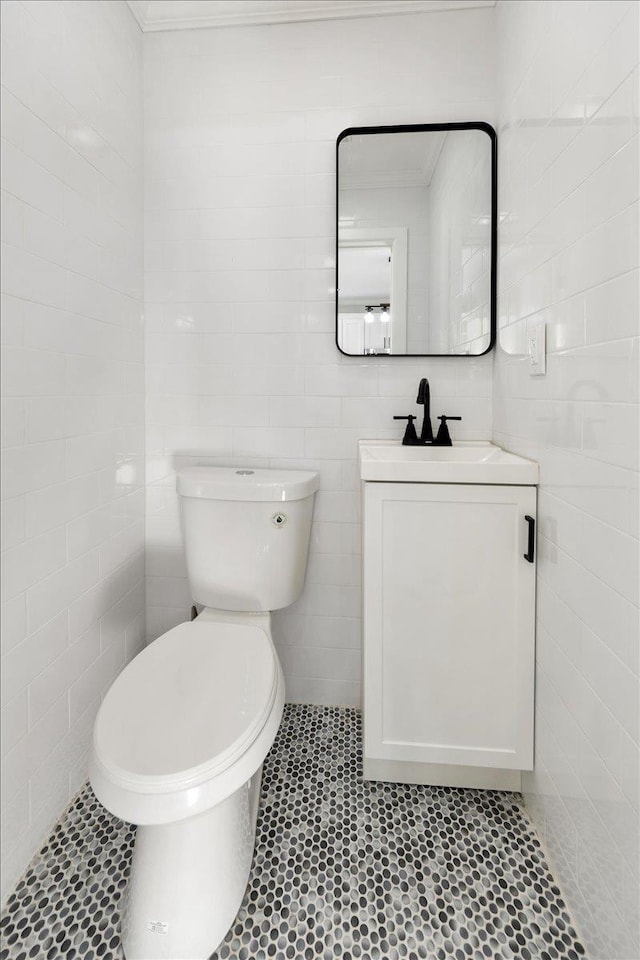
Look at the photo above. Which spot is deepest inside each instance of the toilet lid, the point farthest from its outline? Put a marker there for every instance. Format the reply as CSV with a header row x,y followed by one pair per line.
x,y
187,705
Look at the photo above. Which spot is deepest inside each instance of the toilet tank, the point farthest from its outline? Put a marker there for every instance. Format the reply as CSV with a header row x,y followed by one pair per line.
x,y
246,535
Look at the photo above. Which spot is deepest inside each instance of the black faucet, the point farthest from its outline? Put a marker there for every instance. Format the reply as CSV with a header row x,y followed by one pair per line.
x,y
426,438
443,439
410,438
424,397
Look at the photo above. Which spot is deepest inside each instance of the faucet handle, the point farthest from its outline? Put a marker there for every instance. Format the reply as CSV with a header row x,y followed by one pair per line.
x,y
443,437
410,436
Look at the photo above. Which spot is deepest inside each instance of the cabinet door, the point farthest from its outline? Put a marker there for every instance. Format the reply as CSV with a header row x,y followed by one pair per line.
x,y
448,624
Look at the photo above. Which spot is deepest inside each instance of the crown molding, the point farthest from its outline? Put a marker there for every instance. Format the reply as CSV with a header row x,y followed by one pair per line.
x,y
139,9
143,11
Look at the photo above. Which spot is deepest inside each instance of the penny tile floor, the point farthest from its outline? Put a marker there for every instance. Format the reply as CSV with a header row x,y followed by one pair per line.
x,y
342,868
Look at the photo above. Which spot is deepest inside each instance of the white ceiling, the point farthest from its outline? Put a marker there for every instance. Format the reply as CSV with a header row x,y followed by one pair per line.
x,y
183,14
392,159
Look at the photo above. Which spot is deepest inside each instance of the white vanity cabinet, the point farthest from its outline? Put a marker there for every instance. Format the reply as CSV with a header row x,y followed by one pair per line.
x,y
449,626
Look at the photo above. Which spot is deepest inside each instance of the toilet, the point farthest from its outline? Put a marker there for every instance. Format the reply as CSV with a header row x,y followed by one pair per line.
x,y
181,736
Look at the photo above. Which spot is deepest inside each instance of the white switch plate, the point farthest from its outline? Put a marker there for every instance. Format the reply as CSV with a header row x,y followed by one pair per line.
x,y
537,350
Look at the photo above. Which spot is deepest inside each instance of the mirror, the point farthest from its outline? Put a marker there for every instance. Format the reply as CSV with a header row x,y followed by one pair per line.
x,y
416,240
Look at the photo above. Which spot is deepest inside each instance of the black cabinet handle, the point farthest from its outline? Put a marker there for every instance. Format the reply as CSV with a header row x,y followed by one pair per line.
x,y
531,540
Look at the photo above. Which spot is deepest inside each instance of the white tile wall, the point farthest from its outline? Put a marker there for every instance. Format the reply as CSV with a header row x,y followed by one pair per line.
x,y
73,389
241,361
569,256
460,244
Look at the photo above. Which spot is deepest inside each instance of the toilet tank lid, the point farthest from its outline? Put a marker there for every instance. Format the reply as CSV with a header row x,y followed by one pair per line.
x,y
246,483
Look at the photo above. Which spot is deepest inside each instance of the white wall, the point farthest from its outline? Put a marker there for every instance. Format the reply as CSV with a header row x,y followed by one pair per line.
x,y
460,245
240,220
569,256
73,385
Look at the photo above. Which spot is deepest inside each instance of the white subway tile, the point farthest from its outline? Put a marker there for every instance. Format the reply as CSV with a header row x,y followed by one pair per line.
x,y
57,677
31,561
14,622
304,411
28,658
612,309
12,524
269,441
95,680
608,427
321,663
14,722
15,822
329,536
583,794
28,372
12,214
334,569
332,444
231,412
90,530
116,621
613,186
316,631
329,692
21,763
91,453
32,467
611,555
343,601
369,413
26,179
271,317
120,548
168,592
614,683
13,422
11,328
59,503
59,331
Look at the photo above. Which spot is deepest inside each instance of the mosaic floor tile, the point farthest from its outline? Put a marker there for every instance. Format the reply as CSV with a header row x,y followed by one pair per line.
x,y
342,869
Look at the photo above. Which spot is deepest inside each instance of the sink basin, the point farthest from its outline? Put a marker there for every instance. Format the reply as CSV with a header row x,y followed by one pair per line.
x,y
465,462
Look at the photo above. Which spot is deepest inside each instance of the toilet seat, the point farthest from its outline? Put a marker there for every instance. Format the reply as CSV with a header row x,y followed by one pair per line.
x,y
184,719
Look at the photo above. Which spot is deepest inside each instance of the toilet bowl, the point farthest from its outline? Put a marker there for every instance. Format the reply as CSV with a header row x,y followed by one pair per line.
x,y
181,735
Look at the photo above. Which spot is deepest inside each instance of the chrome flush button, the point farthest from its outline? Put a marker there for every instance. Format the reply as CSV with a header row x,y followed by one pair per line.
x,y
279,519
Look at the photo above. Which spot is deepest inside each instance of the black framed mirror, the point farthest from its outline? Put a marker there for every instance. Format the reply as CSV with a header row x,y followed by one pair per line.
x,y
416,240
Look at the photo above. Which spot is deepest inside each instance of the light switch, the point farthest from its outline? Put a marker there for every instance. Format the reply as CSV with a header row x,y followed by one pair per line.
x,y
537,350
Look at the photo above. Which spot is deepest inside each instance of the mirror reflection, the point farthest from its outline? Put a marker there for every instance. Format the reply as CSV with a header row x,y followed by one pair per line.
x,y
416,240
